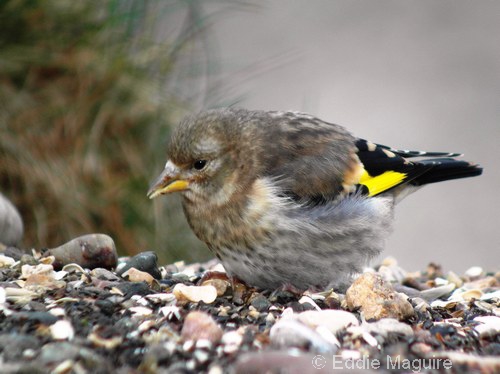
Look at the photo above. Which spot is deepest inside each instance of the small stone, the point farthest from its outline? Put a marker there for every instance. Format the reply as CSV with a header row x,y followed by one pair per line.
x,y
14,253
28,270
11,223
200,325
144,261
140,311
231,341
105,337
434,270
491,295
253,313
134,275
392,273
6,261
195,294
201,356
57,352
171,312
309,301
89,251
62,330
455,279
261,303
488,326
333,320
471,294
377,299
220,285
289,332
103,274
437,292
386,326
440,281
482,283
13,345
474,272
37,281
278,362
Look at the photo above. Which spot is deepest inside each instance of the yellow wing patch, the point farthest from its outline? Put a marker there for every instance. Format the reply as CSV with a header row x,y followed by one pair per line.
x,y
382,182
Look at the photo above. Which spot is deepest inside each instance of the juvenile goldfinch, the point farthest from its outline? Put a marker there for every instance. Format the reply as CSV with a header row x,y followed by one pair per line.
x,y
286,198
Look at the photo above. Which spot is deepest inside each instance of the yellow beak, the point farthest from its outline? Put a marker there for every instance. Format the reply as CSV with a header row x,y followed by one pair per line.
x,y
168,181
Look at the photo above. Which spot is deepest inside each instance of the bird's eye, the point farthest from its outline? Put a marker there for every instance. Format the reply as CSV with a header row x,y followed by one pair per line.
x,y
199,164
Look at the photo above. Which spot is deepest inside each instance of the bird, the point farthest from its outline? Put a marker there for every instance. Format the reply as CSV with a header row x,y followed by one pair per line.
x,y
284,198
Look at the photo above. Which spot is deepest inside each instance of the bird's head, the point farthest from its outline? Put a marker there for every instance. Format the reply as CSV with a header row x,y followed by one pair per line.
x,y
205,159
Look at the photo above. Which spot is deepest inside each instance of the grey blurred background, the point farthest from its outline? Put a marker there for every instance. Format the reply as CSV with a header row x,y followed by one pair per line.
x,y
422,75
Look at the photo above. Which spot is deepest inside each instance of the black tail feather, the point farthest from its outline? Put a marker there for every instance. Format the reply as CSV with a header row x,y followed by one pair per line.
x,y
446,169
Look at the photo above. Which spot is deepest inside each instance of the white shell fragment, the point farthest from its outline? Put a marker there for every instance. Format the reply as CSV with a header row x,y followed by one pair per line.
x,y
6,261
488,326
195,294
333,320
474,272
62,330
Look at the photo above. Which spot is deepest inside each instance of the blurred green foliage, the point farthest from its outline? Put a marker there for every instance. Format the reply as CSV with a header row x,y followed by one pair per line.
x,y
88,93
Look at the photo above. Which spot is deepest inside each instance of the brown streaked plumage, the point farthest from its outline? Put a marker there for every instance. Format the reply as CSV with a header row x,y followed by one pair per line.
x,y
285,198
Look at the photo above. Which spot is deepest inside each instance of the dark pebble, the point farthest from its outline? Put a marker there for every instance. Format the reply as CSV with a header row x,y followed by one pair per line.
x,y
57,352
14,252
261,303
12,346
89,251
145,261
107,307
35,317
282,297
130,289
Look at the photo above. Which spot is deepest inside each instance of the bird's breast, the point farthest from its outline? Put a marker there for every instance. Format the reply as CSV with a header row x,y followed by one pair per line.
x,y
243,222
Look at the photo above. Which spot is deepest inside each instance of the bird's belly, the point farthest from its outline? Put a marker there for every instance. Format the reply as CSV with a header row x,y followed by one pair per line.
x,y
273,267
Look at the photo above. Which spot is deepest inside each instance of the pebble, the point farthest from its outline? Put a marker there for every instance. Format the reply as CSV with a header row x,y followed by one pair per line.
x,y
14,345
392,273
11,223
495,295
487,326
261,303
171,312
474,272
220,285
144,261
437,292
333,320
277,362
134,275
309,301
57,352
289,332
231,341
195,294
62,330
100,273
102,337
89,251
6,261
386,326
455,279
41,269
377,299
200,325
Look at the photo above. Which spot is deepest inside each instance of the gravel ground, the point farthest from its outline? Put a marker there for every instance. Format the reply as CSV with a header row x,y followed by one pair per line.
x,y
80,309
